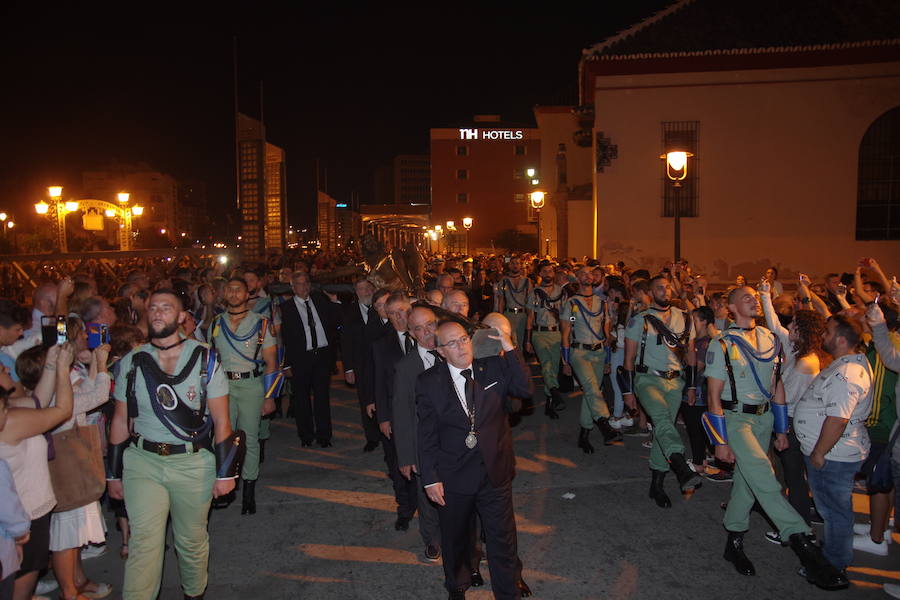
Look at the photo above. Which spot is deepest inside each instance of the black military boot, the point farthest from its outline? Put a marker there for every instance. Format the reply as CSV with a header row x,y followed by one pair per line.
x,y
549,410
687,478
557,399
734,553
610,435
262,451
657,492
817,568
248,503
583,441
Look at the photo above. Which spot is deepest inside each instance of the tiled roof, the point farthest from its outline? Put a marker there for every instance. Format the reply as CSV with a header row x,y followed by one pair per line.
x,y
715,27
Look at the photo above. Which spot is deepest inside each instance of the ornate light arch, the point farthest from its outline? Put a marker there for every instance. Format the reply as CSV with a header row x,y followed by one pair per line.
x,y
106,210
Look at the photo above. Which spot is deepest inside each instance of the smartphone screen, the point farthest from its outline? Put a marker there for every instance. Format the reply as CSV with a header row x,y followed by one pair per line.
x,y
62,333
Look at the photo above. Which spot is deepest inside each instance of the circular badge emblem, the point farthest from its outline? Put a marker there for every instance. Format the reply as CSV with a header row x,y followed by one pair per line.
x,y
166,396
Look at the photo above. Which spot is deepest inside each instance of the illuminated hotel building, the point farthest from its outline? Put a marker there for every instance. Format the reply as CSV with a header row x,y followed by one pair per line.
x,y
480,170
261,190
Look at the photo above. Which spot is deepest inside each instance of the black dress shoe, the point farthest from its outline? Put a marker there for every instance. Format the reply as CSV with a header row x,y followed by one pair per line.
x,y
734,553
818,570
370,446
306,443
324,444
556,400
401,524
432,553
610,435
523,588
477,579
657,491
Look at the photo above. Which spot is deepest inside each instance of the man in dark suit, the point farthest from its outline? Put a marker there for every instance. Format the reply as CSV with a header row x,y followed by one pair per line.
x,y
422,323
466,459
386,353
309,329
361,328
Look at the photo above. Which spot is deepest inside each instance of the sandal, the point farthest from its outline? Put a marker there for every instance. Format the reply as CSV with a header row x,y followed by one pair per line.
x,y
100,590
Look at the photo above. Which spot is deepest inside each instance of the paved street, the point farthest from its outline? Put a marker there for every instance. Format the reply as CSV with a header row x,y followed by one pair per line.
x,y
324,529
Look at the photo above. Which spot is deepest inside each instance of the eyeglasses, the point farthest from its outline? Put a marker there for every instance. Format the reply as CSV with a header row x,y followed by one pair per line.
x,y
458,342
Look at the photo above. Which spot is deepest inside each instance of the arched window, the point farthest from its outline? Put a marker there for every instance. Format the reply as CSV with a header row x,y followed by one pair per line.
x,y
878,195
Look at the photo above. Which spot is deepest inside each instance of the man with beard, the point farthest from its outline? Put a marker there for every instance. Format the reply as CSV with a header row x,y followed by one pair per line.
x,y
258,301
248,353
746,402
830,422
513,301
542,335
585,334
174,392
659,361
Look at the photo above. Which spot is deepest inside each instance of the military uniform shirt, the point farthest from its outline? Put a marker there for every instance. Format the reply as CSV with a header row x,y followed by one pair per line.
x,y
843,389
541,306
747,389
228,354
146,424
657,355
583,323
515,295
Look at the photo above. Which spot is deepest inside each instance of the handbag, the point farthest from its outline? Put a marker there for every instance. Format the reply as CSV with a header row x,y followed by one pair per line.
x,y
880,480
77,472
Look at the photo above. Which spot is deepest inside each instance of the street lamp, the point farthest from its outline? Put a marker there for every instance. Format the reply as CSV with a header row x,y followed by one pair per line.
x,y
55,192
467,224
123,197
676,158
71,206
537,203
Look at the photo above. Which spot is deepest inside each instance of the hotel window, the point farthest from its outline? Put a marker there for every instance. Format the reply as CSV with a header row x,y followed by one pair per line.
x,y
462,173
878,186
519,198
686,196
462,150
521,150
462,198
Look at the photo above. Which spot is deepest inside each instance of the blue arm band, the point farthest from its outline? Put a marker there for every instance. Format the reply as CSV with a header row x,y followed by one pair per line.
x,y
272,383
715,428
565,354
780,412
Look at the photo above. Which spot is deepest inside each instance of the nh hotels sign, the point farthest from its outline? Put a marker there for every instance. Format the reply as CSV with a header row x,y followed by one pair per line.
x,y
491,134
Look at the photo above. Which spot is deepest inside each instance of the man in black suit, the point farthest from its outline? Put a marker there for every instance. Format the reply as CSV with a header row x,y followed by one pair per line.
x,y
361,328
386,353
309,329
466,459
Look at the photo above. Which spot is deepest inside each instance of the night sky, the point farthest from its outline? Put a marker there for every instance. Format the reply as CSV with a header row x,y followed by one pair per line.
x,y
350,86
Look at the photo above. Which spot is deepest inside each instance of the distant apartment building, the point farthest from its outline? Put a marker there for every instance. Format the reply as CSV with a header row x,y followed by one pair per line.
x,y
155,191
192,218
407,180
261,190
327,222
480,170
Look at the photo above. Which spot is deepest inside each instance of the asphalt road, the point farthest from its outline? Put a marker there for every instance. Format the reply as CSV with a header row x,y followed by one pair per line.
x,y
586,529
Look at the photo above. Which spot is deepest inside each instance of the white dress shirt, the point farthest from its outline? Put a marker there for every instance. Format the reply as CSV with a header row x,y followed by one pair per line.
x,y
459,383
401,336
321,338
426,355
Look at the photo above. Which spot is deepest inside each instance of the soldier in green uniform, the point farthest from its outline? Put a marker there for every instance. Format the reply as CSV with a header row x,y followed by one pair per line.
x,y
513,298
659,360
746,401
542,334
248,352
585,333
173,395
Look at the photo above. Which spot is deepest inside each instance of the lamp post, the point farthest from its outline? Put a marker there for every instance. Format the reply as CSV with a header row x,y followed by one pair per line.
x,y
676,170
3,218
467,224
537,203
56,211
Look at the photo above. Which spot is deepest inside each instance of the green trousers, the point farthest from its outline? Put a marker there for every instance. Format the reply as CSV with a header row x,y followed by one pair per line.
x,y
518,322
661,399
749,437
547,347
156,487
588,366
245,402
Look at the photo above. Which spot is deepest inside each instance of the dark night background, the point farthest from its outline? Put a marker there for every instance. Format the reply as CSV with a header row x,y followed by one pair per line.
x,y
352,86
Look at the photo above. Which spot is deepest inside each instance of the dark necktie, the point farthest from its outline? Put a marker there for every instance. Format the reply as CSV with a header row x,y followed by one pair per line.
x,y
311,321
470,390
408,343
437,357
